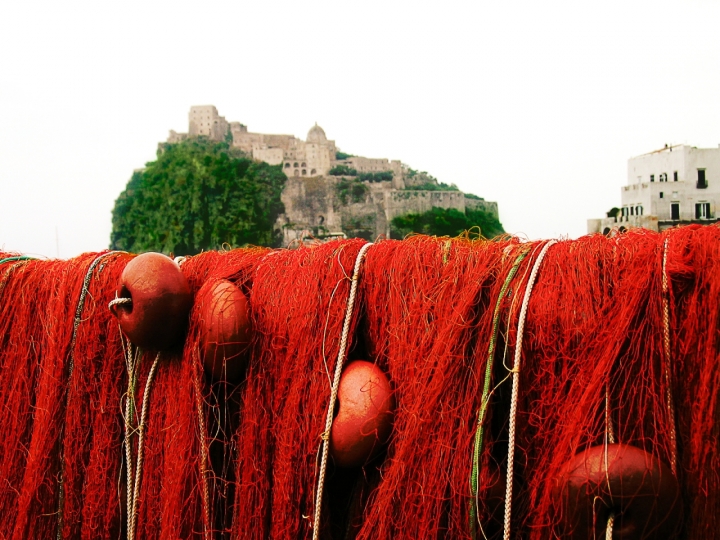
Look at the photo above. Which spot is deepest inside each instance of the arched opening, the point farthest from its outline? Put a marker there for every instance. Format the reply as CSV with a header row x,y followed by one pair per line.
x,y
295,164
313,171
287,165
606,231
321,219
297,172
304,172
304,164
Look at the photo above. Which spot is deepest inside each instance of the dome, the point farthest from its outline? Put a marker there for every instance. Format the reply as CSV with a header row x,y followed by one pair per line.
x,y
316,134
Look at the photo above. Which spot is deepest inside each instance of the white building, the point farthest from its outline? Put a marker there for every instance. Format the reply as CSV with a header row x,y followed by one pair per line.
x,y
675,185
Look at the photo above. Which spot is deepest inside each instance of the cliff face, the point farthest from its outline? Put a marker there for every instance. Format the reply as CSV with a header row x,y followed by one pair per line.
x,y
330,206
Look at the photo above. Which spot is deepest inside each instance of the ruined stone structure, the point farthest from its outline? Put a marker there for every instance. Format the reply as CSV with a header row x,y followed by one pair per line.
x,y
320,205
675,185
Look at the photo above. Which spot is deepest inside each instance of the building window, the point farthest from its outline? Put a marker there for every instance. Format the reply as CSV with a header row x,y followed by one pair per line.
x,y
661,194
304,164
675,211
632,210
675,176
652,177
297,172
701,182
663,177
304,173
639,211
287,165
313,171
295,164
702,210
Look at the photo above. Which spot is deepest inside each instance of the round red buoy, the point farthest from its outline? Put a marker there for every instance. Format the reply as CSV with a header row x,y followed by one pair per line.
x,y
622,480
225,329
364,418
156,315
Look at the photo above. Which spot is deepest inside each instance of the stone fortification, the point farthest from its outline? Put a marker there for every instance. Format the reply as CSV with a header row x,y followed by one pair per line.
x,y
359,201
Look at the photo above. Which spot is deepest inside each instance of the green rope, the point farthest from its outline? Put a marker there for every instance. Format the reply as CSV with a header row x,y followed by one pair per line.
x,y
18,258
479,433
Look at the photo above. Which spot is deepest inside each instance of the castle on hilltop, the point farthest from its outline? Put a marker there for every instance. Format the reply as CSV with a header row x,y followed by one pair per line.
x,y
329,193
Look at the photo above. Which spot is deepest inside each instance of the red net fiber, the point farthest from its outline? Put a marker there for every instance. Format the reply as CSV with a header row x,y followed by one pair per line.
x,y
440,316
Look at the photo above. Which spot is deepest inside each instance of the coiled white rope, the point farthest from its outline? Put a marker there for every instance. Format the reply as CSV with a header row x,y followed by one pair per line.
x,y
333,393
116,301
515,387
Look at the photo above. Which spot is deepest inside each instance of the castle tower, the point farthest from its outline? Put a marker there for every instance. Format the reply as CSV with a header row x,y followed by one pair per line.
x,y
205,121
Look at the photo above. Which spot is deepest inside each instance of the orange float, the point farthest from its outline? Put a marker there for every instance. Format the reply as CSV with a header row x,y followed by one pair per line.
x,y
225,329
155,302
363,423
622,480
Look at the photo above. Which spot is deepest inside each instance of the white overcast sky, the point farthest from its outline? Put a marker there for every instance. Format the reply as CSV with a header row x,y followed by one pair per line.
x,y
534,104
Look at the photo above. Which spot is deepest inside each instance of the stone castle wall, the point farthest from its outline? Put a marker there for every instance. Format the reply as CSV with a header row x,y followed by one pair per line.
x,y
313,208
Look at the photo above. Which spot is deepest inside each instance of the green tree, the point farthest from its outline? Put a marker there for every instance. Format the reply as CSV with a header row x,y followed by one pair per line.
x,y
429,186
446,222
351,190
384,176
342,170
198,195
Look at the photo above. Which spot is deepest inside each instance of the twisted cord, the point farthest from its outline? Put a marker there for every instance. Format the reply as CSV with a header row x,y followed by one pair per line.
x,y
515,388
10,270
609,527
132,516
479,433
203,446
71,368
16,258
117,301
336,383
131,364
609,428
668,361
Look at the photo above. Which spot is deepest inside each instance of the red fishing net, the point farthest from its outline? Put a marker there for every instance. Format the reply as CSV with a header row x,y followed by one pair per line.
x,y
619,357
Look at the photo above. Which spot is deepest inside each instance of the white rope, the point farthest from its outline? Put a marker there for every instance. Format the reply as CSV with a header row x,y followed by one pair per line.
x,y
132,510
130,364
203,445
609,428
609,527
515,386
129,488
117,301
333,393
668,370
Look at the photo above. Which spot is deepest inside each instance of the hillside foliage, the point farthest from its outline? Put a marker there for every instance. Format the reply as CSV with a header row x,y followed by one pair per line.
x,y
198,195
446,222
